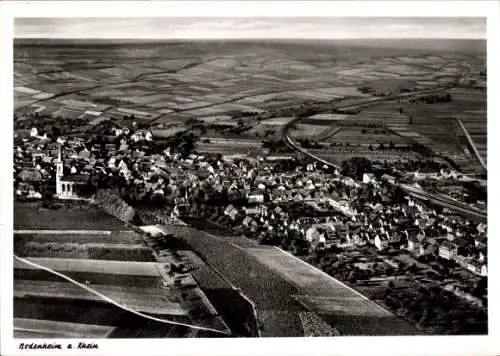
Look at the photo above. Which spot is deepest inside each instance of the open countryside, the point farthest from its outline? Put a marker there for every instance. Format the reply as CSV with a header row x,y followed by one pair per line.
x,y
250,188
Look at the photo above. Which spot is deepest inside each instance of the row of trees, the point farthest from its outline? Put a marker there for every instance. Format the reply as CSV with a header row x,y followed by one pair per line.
x,y
277,146
433,98
117,207
288,240
52,126
382,147
306,143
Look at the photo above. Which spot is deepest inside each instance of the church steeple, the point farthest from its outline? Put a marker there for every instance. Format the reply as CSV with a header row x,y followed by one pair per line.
x,y
59,172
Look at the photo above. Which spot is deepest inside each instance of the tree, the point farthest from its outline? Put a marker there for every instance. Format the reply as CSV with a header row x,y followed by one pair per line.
x,y
387,292
481,287
353,276
356,167
56,131
388,270
47,199
299,246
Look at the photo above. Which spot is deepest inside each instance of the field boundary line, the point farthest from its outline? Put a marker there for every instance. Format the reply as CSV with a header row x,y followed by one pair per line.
x,y
202,295
236,289
225,279
37,331
109,300
324,273
352,289
224,240
67,232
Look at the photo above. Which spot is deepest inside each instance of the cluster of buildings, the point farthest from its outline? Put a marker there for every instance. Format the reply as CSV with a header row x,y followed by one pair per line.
x,y
71,167
323,208
411,226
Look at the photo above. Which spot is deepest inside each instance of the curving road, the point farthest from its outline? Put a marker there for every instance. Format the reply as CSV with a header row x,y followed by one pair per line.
x,y
439,200
368,102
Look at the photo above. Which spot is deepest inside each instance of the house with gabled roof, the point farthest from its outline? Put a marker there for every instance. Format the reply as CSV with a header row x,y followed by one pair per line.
x,y
448,250
369,178
381,241
249,222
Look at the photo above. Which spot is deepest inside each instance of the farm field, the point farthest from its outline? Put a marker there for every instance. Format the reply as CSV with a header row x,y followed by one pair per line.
x,y
169,82
34,328
254,281
305,280
139,286
356,321
109,259
107,237
25,271
326,117
146,269
97,313
146,300
92,251
164,133
226,146
340,154
437,120
346,310
268,128
432,125
365,137
233,308
474,116
300,130
30,216
234,97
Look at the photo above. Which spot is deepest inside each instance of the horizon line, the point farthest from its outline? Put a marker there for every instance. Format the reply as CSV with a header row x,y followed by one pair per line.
x,y
248,38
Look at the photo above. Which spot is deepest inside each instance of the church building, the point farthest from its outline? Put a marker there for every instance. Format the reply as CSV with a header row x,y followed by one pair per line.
x,y
69,187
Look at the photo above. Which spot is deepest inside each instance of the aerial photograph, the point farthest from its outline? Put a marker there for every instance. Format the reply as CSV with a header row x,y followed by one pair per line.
x,y
192,177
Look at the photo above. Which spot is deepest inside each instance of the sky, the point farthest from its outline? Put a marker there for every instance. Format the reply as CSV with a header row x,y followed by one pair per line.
x,y
254,28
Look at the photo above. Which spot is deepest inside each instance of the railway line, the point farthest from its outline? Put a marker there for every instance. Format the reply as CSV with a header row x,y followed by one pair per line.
x,y
469,212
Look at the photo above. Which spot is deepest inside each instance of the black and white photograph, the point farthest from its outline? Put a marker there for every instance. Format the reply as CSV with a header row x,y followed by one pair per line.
x,y
247,177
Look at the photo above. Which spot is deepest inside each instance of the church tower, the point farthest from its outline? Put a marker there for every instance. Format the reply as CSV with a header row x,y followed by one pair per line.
x,y
59,172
